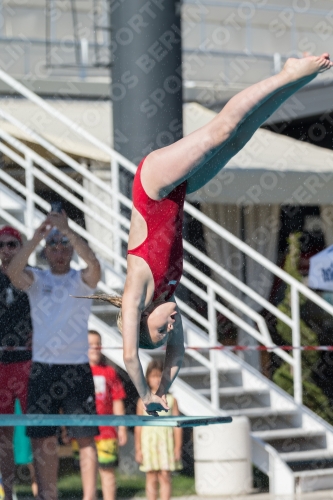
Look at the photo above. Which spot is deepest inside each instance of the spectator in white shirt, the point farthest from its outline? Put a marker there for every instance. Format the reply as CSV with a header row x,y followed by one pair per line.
x,y
60,376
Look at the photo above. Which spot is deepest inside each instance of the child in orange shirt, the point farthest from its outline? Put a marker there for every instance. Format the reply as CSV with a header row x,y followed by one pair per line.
x,y
109,393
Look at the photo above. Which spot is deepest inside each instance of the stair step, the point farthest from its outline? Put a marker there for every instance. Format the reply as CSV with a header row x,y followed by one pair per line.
x,y
203,370
314,472
234,391
303,456
261,412
104,308
290,433
193,371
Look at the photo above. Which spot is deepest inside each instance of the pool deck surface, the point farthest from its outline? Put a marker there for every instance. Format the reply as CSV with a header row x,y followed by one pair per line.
x,y
318,495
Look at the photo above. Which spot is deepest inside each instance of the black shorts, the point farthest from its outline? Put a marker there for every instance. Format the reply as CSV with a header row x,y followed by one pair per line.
x,y
69,388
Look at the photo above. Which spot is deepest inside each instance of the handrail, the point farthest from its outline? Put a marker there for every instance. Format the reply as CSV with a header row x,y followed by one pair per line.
x,y
13,222
21,89
252,294
237,303
62,177
65,158
263,6
24,230
46,206
63,192
234,302
235,319
258,257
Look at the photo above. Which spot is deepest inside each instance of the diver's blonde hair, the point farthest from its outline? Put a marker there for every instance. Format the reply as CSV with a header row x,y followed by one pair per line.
x,y
145,341
115,300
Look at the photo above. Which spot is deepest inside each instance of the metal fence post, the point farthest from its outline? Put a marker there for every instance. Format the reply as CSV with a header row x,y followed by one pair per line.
x,y
214,375
116,207
296,338
277,62
30,204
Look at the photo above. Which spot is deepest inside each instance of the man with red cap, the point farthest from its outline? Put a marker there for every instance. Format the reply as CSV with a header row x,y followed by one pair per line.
x,y
15,331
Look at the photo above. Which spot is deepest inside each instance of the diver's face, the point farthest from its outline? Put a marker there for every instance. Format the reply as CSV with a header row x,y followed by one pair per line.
x,y
160,322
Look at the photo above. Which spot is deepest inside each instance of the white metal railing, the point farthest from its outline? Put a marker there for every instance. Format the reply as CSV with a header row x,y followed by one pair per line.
x,y
37,167
39,202
33,158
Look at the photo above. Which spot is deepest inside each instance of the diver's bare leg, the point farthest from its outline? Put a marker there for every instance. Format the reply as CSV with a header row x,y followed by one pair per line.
x,y
167,167
244,133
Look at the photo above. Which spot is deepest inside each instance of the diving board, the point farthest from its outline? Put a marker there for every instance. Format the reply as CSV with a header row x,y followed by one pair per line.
x,y
105,420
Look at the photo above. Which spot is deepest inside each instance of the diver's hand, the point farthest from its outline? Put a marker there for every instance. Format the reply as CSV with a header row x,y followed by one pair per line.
x,y
153,403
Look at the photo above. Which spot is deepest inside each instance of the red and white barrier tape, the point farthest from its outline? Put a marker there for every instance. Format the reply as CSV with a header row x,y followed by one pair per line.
x,y
262,348
217,348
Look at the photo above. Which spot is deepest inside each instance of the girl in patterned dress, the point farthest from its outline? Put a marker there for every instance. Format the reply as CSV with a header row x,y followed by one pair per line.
x,y
158,449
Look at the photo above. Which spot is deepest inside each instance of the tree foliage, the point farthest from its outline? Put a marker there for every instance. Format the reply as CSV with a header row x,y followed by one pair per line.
x,y
313,396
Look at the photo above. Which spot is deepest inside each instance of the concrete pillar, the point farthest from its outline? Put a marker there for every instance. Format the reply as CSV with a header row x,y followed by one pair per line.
x,y
222,455
146,89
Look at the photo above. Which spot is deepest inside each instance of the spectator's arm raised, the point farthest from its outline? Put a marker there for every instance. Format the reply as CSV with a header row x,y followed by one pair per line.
x,y
92,273
20,277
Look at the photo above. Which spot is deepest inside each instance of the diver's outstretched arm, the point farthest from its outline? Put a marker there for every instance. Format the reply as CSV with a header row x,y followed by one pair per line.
x,y
132,307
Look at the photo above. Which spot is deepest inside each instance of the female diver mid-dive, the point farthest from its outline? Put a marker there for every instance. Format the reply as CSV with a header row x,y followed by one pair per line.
x,y
149,314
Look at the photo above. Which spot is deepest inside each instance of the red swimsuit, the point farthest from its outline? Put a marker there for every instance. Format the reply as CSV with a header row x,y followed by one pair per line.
x,y
163,247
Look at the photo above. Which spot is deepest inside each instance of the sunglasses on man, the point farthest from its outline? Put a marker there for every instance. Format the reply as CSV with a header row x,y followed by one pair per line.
x,y
54,243
9,244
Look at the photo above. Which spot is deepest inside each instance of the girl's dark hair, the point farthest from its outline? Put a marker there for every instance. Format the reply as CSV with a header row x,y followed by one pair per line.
x,y
155,364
